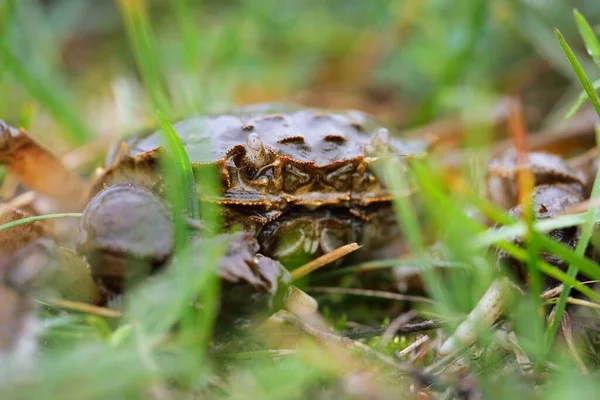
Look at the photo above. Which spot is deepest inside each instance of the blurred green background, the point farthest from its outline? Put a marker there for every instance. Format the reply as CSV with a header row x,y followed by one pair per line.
x,y
68,70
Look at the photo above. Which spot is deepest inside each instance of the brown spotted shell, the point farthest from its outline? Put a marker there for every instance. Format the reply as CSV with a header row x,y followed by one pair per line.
x,y
274,156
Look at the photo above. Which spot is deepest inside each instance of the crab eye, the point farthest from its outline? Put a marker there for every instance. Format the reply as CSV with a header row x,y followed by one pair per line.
x,y
254,141
256,153
380,143
382,137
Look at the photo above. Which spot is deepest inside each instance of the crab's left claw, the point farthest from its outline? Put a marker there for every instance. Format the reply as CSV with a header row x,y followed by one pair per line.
x,y
37,168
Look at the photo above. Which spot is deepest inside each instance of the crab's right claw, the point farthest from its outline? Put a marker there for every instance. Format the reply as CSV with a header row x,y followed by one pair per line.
x,y
37,168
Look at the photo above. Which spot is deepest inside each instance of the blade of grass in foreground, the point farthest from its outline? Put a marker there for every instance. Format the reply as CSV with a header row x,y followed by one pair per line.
x,y
586,234
180,177
517,230
405,210
592,44
28,220
146,52
586,266
585,82
194,284
550,270
580,100
190,39
190,35
501,217
447,215
187,295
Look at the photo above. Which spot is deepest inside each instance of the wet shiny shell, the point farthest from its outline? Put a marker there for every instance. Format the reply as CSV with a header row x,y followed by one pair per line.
x,y
275,156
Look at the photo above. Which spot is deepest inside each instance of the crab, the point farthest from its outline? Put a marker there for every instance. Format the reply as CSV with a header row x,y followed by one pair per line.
x,y
294,184
559,187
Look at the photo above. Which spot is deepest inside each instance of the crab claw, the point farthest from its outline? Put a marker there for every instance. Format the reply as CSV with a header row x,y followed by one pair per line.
x,y
115,237
252,285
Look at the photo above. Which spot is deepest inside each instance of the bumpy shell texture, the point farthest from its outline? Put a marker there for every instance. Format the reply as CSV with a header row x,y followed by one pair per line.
x,y
279,156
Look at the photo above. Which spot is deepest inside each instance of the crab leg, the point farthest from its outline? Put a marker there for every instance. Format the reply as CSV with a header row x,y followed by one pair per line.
x,y
41,171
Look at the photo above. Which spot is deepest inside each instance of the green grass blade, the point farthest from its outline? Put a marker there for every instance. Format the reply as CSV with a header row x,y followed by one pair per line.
x,y
35,218
522,255
196,278
581,99
406,212
204,286
191,47
586,266
190,35
146,51
585,82
584,239
445,214
592,44
181,167
517,230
